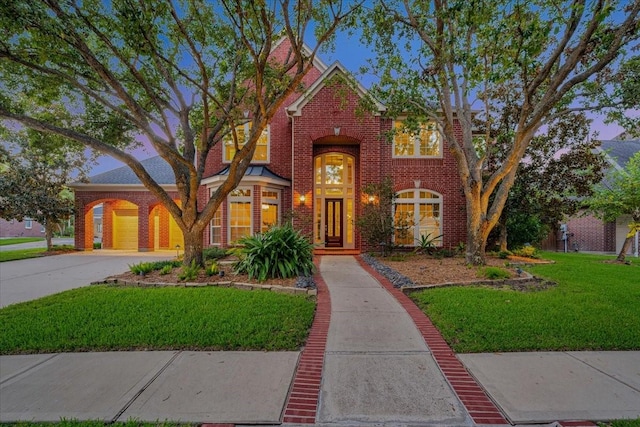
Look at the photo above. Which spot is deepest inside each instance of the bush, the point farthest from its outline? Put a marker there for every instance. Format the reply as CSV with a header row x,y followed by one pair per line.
x,y
141,268
166,270
494,273
527,252
97,245
214,253
213,269
189,272
504,254
280,252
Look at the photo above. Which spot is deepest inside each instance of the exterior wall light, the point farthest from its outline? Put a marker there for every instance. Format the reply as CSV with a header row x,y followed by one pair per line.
x,y
302,199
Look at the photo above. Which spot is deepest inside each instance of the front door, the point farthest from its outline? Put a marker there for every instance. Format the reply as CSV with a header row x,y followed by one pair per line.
x,y
333,223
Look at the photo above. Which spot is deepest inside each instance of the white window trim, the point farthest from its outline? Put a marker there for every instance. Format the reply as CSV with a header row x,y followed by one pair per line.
x,y
241,199
246,130
276,203
416,204
28,224
416,147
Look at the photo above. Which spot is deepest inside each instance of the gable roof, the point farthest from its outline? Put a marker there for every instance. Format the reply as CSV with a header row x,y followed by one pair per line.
x,y
619,151
295,109
124,178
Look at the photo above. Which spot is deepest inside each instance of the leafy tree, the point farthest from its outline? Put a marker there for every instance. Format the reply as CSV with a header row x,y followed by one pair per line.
x,y
463,63
619,194
36,169
377,221
560,169
181,74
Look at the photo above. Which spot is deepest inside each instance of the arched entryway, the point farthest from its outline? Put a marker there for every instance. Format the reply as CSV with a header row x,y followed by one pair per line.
x,y
334,200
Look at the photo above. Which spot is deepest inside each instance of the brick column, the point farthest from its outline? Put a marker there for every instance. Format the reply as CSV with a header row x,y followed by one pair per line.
x,y
143,227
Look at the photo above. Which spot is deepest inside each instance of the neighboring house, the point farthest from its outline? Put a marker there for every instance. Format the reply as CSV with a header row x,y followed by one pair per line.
x,y
24,228
586,232
311,164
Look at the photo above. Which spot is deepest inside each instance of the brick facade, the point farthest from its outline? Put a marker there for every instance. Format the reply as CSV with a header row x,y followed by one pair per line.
x,y
326,120
16,228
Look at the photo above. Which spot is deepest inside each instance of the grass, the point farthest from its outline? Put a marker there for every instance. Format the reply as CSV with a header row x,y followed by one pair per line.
x,y
16,240
31,253
594,307
21,254
106,318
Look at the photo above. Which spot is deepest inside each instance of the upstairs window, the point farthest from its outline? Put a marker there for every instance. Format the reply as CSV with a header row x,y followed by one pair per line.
x,y
261,155
425,143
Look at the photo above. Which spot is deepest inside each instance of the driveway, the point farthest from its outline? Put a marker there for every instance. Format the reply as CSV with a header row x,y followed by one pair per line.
x,y
33,278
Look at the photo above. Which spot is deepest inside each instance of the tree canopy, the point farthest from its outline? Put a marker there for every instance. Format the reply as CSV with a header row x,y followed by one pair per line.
x,y
464,64
617,195
179,73
36,169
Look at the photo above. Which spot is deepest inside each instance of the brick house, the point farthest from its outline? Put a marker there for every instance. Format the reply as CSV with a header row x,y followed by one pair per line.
x,y
24,228
587,233
311,164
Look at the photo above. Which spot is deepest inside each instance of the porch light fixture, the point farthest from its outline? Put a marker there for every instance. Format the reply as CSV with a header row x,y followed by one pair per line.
x,y
336,130
302,199
372,199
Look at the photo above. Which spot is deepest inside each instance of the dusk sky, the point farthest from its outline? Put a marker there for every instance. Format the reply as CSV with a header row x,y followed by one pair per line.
x,y
350,53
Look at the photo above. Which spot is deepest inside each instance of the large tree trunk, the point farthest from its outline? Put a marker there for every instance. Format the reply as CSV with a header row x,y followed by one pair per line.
x,y
193,246
477,233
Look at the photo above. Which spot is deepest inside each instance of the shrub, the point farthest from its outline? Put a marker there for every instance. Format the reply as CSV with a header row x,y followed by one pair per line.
x,y
527,252
141,268
280,252
213,269
504,254
189,272
494,273
166,270
97,245
214,253
426,244
159,265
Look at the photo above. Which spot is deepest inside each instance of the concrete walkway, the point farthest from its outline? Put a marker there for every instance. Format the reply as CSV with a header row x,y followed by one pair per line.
x,y
378,368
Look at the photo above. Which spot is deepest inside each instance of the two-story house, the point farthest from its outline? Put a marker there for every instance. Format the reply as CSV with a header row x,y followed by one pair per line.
x,y
311,165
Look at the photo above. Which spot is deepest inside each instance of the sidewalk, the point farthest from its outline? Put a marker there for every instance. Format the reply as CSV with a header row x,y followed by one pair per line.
x,y
373,368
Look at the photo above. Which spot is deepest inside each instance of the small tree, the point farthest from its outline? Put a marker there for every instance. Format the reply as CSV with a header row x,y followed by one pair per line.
x,y
618,195
377,222
33,183
559,170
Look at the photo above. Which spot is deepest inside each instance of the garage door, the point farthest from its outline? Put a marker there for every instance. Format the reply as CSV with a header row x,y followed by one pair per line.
x,y
175,234
125,229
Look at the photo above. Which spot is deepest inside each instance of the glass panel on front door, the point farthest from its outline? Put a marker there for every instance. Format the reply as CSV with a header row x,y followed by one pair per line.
x,y
333,226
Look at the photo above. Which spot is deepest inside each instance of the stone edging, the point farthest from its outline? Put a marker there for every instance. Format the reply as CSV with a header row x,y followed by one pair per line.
x,y
237,285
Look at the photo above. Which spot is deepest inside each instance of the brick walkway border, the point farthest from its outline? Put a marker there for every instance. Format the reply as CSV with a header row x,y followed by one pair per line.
x,y
480,407
302,402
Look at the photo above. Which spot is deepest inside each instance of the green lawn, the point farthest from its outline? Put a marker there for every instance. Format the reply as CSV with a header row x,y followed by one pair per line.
x,y
76,423
16,240
595,306
102,318
21,254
